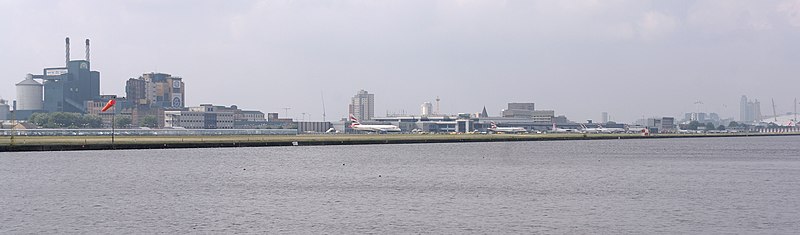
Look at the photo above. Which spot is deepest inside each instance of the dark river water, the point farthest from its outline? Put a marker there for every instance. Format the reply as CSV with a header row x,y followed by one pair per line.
x,y
709,185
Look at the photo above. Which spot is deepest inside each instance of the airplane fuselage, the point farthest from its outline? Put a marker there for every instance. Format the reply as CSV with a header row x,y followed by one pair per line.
x,y
508,130
376,128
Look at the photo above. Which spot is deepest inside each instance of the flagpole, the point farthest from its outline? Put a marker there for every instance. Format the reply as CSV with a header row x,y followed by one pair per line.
x,y
113,123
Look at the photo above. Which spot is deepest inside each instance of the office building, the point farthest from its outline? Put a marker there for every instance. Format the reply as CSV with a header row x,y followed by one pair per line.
x,y
157,90
661,125
519,110
362,105
604,117
749,111
205,116
544,116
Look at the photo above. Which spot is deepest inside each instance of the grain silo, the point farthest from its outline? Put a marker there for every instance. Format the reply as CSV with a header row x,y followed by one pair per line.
x,y
29,94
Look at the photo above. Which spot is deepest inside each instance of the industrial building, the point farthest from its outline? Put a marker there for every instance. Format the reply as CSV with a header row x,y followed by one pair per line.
x,y
313,127
5,110
62,89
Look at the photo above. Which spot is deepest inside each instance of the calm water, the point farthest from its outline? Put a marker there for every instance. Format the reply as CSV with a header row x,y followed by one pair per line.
x,y
718,185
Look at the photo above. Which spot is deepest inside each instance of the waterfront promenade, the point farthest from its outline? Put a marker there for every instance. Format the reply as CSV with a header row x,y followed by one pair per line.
x,y
65,143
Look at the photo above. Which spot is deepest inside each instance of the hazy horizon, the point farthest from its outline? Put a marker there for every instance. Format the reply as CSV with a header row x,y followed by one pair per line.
x,y
632,59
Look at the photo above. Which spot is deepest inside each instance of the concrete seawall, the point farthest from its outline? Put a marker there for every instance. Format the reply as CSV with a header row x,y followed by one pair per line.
x,y
67,143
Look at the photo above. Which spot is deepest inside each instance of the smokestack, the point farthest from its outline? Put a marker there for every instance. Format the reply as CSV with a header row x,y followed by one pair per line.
x,y
87,49
67,40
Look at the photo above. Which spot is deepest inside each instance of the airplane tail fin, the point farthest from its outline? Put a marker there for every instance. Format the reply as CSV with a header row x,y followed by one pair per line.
x,y
354,120
494,125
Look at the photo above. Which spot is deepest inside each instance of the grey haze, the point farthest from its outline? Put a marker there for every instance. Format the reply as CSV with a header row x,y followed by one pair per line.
x,y
629,58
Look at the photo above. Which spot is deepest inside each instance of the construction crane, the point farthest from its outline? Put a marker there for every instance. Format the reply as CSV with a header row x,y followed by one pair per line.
x,y
698,106
323,106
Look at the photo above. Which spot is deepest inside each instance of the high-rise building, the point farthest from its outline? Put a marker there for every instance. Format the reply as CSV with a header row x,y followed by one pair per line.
x,y
362,105
604,117
157,90
749,111
427,109
743,109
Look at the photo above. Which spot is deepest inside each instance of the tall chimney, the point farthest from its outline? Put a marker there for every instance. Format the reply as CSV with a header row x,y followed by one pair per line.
x,y
67,51
87,49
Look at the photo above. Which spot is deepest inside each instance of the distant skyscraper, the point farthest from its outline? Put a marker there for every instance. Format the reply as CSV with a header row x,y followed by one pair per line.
x,y
362,105
604,117
743,109
749,111
427,108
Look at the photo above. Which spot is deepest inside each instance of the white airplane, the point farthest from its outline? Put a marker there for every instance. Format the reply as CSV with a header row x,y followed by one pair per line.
x,y
596,130
356,125
510,130
560,130
614,129
602,130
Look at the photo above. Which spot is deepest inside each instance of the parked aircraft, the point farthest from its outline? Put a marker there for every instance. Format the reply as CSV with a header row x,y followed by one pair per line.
x,y
494,128
356,125
556,129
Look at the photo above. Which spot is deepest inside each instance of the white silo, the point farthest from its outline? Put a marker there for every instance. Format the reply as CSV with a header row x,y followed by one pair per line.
x,y
29,94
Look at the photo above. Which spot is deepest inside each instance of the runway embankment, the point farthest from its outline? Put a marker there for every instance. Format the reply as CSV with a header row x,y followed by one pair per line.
x,y
73,143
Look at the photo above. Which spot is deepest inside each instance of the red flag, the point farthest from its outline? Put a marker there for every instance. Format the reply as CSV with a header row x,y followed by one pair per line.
x,y
108,105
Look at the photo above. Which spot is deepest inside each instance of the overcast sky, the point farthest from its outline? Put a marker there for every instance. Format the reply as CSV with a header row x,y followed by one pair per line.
x,y
629,58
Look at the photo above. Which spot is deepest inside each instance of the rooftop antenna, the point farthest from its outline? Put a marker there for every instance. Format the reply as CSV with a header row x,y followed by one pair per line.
x,y
286,111
795,110
323,105
67,59
87,49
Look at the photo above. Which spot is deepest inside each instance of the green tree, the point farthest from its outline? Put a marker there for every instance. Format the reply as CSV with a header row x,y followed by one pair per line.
x,y
92,121
123,122
39,119
65,120
149,121
733,124
693,125
721,128
710,126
